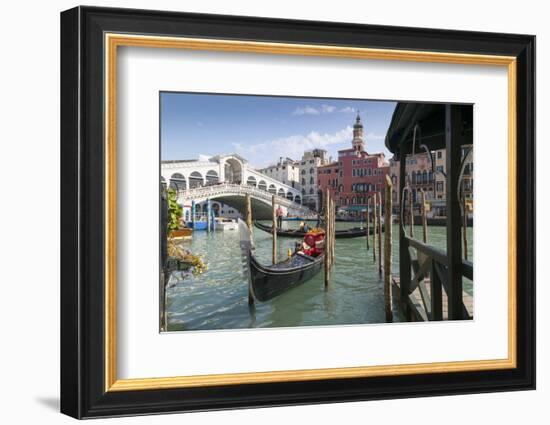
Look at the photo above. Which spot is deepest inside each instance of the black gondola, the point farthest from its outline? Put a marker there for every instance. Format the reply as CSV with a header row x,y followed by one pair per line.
x,y
354,232
266,282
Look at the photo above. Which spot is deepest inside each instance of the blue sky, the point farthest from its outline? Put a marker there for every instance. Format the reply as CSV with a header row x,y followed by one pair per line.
x,y
264,128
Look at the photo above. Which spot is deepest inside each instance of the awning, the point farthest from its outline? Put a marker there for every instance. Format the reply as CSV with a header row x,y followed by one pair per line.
x,y
430,118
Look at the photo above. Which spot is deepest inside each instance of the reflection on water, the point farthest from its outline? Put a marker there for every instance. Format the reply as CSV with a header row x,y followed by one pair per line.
x,y
218,299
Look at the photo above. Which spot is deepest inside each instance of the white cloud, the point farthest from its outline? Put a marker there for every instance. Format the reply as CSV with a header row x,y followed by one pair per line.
x,y
263,154
305,110
204,157
323,109
374,136
328,109
347,110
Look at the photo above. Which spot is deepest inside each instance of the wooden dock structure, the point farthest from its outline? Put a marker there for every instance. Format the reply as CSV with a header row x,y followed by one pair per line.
x,y
418,301
430,282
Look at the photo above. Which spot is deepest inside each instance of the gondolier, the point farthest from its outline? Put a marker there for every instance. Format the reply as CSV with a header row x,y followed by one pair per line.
x,y
279,214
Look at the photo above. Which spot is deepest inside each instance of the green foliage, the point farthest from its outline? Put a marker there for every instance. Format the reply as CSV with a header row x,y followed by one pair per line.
x,y
175,212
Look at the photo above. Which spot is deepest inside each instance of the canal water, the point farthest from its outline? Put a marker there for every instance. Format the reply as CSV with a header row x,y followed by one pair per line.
x,y
218,298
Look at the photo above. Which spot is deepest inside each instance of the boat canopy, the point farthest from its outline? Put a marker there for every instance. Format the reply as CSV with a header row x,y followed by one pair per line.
x,y
429,120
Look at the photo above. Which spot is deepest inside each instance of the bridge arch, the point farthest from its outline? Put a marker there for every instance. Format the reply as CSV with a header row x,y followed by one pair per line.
x,y
289,196
298,199
233,170
251,181
178,182
212,177
195,180
262,185
281,192
272,189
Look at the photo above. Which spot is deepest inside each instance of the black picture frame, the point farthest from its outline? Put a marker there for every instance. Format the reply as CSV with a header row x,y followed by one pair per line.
x,y
83,392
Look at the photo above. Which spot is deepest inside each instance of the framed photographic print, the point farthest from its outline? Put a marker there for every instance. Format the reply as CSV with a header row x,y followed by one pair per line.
x,y
261,212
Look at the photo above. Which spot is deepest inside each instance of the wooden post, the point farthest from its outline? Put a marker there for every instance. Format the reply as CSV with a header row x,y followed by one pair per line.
x,y
465,228
411,210
368,225
404,256
248,217
327,238
274,229
332,232
380,233
249,225
208,223
374,220
453,141
387,250
163,257
424,218
193,208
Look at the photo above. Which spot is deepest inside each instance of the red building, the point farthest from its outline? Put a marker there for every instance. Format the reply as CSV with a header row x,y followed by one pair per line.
x,y
356,176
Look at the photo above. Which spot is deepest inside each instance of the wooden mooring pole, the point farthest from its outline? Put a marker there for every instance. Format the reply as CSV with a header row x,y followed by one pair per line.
x,y
380,233
387,250
274,229
332,232
424,217
368,224
374,220
249,225
465,229
411,214
329,238
208,208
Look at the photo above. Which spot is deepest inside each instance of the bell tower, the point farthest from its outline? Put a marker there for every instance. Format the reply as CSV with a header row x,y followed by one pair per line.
x,y
358,143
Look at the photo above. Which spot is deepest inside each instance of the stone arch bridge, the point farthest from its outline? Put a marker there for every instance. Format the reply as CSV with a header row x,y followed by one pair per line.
x,y
228,178
234,195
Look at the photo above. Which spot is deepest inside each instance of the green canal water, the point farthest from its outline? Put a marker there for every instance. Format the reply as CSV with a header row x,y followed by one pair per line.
x,y
218,298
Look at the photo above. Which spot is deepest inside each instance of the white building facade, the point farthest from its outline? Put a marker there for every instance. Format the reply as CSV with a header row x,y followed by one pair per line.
x,y
286,170
308,176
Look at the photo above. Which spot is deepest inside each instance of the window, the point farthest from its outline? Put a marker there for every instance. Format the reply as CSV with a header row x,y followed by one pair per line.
x,y
303,182
439,168
303,172
311,181
439,155
439,187
311,170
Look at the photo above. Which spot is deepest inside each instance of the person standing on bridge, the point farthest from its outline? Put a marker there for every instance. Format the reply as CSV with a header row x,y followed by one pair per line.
x,y
279,214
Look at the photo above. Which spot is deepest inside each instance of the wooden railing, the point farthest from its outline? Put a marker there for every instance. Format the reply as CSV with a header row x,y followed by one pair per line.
x,y
430,274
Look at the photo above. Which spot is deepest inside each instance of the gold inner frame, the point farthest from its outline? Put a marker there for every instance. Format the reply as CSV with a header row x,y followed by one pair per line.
x,y
113,41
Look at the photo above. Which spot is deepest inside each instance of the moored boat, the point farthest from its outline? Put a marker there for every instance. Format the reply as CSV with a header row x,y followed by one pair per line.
x,y
354,232
269,281
181,234
225,224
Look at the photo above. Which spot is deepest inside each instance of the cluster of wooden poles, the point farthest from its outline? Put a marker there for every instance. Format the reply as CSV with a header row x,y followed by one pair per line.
x,y
330,229
376,202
